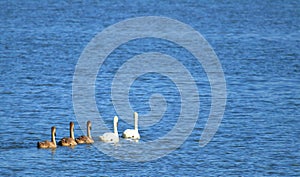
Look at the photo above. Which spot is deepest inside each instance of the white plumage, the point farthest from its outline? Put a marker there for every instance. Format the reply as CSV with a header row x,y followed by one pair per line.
x,y
133,133
111,137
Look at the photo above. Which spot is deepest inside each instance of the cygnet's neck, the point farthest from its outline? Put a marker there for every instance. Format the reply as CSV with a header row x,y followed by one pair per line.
x,y
53,131
72,131
89,130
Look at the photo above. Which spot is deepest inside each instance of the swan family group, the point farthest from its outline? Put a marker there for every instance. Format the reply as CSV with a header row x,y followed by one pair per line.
x,y
110,137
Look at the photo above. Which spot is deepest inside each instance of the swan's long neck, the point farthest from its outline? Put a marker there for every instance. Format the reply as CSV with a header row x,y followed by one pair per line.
x,y
88,129
72,131
53,136
135,114
116,126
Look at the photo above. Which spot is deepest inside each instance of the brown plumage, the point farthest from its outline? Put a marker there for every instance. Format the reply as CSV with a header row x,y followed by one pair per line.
x,y
49,144
86,139
69,141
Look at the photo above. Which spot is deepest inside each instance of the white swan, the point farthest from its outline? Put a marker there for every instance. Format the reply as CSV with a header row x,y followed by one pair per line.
x,y
111,137
133,133
86,139
49,144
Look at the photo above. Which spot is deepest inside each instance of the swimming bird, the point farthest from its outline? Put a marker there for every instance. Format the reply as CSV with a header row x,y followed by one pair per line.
x,y
86,139
111,137
49,144
69,141
133,133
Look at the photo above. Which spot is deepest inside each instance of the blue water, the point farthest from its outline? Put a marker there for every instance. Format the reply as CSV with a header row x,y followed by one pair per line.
x,y
257,44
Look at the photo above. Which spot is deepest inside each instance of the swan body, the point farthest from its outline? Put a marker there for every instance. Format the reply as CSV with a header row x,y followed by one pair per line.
x,y
86,139
133,133
69,141
111,137
49,144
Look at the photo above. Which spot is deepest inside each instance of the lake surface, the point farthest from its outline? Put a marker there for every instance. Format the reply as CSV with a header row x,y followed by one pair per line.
x,y
256,42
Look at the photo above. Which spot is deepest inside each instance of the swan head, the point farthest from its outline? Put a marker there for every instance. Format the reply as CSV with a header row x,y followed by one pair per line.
x,y
89,124
71,125
116,119
53,130
135,114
